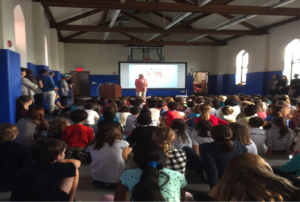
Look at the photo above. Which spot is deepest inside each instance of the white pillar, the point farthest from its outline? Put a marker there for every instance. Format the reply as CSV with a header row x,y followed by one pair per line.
x,y
54,50
38,32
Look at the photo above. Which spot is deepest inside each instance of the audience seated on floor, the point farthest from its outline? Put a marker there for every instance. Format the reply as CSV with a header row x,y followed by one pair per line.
x,y
13,156
109,152
194,134
50,177
23,103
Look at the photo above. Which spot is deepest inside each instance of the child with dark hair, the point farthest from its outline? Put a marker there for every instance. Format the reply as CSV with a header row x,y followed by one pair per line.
x,y
183,138
152,180
190,105
192,116
227,114
216,154
294,103
143,132
23,103
155,113
201,135
280,138
109,118
92,115
103,101
160,105
258,136
56,127
109,101
50,178
78,104
13,156
122,115
172,113
109,152
77,135
148,112
250,111
276,111
131,119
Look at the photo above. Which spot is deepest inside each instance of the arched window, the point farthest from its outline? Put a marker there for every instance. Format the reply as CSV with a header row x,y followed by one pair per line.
x,y
46,51
20,34
292,59
242,60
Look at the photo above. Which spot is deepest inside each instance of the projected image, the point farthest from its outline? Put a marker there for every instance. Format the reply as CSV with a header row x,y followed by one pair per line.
x,y
162,76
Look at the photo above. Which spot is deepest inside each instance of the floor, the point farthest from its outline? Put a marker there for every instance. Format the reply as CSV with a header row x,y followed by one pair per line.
x,y
86,191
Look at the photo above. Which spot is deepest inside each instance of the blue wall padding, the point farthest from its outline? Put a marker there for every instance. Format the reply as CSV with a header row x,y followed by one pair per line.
x,y
10,82
189,84
32,67
95,80
57,77
40,67
257,83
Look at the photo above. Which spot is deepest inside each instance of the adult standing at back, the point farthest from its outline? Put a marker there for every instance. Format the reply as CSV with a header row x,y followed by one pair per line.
x,y
51,75
27,86
294,87
64,89
281,85
49,90
141,85
272,85
38,93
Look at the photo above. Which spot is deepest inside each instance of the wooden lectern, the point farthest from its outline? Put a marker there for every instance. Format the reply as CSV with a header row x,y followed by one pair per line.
x,y
110,91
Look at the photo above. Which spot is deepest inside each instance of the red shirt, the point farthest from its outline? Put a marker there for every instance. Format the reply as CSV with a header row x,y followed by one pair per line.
x,y
171,115
214,120
77,135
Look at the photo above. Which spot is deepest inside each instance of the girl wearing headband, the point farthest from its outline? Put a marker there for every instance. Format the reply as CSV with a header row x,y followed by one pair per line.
x,y
151,181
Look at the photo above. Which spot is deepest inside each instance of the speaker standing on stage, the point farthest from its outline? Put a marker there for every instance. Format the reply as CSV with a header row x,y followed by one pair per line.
x,y
141,86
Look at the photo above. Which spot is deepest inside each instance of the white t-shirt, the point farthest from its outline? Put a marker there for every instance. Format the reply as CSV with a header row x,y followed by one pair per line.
x,y
122,116
252,148
259,137
213,111
91,118
236,111
276,143
130,123
107,162
155,114
198,140
178,143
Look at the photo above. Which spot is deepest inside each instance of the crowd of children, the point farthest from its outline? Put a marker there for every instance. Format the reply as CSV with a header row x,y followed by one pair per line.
x,y
143,147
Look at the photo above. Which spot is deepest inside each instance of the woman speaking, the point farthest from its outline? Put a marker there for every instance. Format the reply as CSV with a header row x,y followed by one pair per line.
x,y
141,85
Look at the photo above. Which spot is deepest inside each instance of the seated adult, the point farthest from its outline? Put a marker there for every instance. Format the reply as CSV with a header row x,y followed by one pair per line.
x,y
172,113
109,117
216,154
23,103
143,133
13,156
31,127
249,178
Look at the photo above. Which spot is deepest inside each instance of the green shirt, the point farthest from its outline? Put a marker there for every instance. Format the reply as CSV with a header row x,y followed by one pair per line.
x,y
170,191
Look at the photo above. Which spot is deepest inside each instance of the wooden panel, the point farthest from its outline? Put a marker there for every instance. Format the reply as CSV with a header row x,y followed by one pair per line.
x,y
110,91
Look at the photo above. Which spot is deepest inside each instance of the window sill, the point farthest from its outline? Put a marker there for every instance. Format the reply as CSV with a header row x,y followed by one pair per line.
x,y
241,85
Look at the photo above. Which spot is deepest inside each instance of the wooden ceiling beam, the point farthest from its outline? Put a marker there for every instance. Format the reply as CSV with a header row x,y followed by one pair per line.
x,y
143,43
53,22
173,7
104,15
78,17
87,28
130,36
148,24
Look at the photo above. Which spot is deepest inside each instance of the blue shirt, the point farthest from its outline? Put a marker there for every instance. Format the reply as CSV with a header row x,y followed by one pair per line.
x,y
102,119
270,118
193,116
48,84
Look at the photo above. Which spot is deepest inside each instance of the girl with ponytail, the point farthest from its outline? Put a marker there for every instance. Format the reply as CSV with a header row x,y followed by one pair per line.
x,y
152,181
176,158
216,154
205,115
183,137
280,138
201,135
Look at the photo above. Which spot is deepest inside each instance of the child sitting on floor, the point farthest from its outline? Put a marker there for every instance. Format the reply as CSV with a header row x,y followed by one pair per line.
x,y
77,136
183,138
258,136
23,104
50,178
13,156
109,152
56,128
92,115
131,119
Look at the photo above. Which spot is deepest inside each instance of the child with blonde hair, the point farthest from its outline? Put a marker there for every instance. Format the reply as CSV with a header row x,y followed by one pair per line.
x,y
164,137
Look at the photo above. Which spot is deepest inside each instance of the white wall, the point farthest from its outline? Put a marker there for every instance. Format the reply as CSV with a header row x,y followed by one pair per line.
x,y
266,53
103,59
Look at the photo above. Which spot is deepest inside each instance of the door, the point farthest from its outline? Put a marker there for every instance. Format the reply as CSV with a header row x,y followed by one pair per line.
x,y
81,86
200,82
